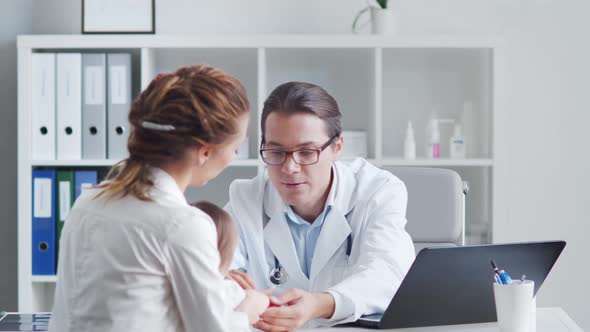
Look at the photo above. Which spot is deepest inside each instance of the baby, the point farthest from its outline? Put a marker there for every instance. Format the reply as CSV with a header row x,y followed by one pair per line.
x,y
227,232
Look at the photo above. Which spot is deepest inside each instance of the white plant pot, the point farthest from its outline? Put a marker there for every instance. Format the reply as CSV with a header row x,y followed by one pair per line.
x,y
382,21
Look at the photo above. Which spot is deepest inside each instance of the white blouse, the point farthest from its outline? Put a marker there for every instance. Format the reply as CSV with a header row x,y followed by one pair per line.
x,y
129,265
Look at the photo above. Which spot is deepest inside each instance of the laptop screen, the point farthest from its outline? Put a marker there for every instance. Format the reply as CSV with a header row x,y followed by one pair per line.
x,y
446,286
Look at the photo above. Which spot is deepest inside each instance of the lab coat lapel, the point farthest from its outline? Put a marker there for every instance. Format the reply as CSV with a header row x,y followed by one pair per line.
x,y
336,228
334,232
278,238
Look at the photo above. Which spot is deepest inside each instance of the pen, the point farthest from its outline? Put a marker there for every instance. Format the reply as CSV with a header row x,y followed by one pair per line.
x,y
496,273
501,274
498,280
504,275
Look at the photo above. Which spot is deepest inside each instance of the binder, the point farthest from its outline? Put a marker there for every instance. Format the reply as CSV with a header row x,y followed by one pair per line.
x,y
119,103
65,200
94,120
43,227
43,106
24,321
69,106
84,179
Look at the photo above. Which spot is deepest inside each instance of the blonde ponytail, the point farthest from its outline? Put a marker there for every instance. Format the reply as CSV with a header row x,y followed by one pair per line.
x,y
194,106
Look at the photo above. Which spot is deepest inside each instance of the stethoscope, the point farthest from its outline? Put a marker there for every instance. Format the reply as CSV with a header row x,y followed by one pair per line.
x,y
279,276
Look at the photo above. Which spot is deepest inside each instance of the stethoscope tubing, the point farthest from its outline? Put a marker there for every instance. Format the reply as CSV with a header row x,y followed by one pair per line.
x,y
279,270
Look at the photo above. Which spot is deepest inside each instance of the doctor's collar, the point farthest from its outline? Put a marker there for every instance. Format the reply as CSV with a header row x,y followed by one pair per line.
x,y
339,197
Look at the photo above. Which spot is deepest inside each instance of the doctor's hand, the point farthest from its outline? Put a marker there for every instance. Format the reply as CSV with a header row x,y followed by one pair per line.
x,y
241,278
290,310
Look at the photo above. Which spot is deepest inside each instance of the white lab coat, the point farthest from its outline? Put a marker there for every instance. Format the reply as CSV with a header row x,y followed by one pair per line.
x,y
129,265
382,251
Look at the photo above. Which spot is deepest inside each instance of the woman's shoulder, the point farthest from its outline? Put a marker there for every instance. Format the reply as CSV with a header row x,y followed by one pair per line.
x,y
189,216
190,227
161,216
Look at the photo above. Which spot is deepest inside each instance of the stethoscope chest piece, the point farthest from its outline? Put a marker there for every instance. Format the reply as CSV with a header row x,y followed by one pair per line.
x,y
278,275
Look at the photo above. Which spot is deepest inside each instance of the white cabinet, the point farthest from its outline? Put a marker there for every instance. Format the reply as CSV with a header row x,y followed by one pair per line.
x,y
380,83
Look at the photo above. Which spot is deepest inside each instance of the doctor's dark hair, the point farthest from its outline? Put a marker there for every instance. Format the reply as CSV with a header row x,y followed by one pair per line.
x,y
192,107
301,97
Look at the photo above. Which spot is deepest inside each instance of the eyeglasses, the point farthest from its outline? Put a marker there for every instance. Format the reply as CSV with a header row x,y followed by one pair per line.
x,y
306,156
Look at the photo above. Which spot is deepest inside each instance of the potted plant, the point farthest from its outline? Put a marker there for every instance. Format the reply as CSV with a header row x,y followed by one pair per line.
x,y
381,17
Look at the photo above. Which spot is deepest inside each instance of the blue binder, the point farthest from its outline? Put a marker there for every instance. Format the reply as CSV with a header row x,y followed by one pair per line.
x,y
84,178
43,227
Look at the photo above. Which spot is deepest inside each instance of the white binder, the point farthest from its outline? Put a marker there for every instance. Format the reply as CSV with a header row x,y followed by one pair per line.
x,y
43,106
119,102
69,106
94,118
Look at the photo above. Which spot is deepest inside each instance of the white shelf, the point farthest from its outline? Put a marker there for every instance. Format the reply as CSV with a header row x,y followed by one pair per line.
x,y
438,162
110,162
73,163
44,279
255,41
246,162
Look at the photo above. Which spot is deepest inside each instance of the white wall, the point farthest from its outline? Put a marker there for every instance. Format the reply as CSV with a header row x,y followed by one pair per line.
x,y
544,140
548,167
15,18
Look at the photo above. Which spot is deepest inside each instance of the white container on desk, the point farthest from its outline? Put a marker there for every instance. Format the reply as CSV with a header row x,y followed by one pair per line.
x,y
515,305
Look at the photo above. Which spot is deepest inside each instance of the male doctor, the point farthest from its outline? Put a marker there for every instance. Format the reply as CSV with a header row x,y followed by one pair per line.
x,y
328,235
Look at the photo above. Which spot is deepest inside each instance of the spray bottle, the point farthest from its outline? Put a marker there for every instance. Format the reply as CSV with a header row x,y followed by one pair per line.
x,y
433,138
409,143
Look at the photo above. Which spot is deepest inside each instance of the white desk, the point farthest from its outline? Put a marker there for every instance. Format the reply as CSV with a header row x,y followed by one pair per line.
x,y
548,320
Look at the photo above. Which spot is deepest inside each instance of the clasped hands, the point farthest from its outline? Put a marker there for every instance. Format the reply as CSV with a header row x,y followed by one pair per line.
x,y
284,312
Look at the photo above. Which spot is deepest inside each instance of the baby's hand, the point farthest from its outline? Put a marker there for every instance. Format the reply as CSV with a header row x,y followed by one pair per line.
x,y
241,278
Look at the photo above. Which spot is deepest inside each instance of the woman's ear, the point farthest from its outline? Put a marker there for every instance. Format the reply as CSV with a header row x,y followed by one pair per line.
x,y
201,154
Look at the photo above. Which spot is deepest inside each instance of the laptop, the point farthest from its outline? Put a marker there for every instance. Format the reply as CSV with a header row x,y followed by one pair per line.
x,y
448,286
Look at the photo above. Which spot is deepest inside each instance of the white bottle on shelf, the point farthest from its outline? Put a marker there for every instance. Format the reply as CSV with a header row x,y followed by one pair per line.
x,y
457,143
409,143
433,138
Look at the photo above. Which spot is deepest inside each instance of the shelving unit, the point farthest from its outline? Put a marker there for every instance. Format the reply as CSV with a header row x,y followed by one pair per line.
x,y
111,162
379,82
443,162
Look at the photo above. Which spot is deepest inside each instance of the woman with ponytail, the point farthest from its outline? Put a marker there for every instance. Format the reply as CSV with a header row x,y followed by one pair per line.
x,y
134,255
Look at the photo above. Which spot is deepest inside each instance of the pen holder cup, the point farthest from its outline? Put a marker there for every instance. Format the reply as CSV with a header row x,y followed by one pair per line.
x,y
515,306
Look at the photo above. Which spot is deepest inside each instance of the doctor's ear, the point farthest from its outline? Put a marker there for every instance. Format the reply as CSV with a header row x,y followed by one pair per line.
x,y
337,147
199,155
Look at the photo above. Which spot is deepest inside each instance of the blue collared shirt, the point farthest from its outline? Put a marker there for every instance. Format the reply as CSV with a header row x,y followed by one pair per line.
x,y
305,236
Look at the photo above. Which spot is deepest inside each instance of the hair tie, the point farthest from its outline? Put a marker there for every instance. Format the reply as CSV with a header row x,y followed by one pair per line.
x,y
157,126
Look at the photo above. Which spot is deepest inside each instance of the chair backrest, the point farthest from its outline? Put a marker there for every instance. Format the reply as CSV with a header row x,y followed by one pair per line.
x,y
436,206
